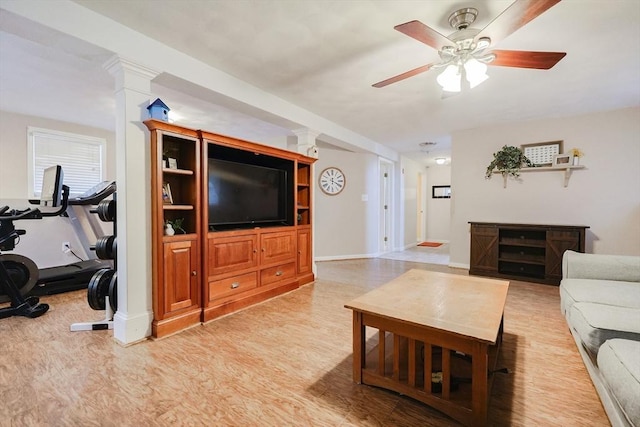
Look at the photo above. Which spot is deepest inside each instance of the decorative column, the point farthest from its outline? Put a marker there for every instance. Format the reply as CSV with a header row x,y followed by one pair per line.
x,y
307,141
132,321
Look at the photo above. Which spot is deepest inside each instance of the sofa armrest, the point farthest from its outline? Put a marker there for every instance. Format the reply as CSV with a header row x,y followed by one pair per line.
x,y
576,265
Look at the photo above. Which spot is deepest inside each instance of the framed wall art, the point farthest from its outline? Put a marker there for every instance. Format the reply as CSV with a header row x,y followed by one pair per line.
x,y
541,153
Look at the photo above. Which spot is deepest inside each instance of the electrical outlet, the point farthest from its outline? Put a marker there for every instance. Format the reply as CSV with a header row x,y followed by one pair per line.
x,y
66,247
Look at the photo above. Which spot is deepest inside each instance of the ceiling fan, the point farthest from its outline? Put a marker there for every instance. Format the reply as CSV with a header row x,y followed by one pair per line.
x,y
467,51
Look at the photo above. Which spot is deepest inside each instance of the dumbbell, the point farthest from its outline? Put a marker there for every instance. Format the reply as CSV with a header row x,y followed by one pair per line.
x,y
106,247
106,210
99,287
113,292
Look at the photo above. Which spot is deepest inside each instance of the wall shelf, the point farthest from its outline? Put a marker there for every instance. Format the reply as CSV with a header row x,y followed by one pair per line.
x,y
566,169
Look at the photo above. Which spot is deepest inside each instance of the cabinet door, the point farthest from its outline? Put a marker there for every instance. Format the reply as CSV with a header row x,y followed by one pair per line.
x,y
558,242
232,254
304,251
180,282
484,248
277,247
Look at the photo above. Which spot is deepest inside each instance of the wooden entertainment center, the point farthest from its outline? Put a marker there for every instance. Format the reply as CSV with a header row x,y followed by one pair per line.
x,y
208,270
529,252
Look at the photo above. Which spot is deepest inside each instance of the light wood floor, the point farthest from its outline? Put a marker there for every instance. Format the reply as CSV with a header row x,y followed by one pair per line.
x,y
284,362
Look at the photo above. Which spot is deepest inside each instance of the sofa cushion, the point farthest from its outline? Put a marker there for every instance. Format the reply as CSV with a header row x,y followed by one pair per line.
x,y
576,265
610,292
619,364
595,323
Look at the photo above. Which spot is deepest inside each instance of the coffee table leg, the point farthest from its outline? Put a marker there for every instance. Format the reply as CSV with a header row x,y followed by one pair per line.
x,y
479,384
358,347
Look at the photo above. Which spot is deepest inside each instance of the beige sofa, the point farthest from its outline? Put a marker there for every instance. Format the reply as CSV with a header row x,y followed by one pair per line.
x,y
600,298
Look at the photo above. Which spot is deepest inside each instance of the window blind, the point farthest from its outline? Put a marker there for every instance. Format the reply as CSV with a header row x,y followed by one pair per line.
x,y
81,158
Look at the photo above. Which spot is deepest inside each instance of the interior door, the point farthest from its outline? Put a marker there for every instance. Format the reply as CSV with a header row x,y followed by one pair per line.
x,y
385,206
420,210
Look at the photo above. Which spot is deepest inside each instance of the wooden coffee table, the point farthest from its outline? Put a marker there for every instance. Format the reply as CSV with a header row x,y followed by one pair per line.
x,y
432,322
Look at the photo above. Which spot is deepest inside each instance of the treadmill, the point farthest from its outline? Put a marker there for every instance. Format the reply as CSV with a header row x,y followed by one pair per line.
x,y
76,276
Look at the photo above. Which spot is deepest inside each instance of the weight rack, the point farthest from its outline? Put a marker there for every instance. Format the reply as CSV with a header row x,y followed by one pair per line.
x,y
102,292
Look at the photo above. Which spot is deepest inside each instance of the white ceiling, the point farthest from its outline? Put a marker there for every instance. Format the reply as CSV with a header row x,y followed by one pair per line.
x,y
324,55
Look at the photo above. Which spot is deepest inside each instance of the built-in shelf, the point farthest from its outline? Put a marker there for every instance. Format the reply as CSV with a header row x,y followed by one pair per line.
x,y
177,171
177,207
566,169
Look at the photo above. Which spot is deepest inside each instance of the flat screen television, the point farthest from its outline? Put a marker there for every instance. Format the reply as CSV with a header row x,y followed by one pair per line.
x,y
51,194
244,195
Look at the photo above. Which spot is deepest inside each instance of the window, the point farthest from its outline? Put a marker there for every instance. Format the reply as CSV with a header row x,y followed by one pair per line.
x,y
82,159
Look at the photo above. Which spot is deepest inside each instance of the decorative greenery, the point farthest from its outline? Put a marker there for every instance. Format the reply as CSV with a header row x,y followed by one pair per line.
x,y
575,152
508,161
176,224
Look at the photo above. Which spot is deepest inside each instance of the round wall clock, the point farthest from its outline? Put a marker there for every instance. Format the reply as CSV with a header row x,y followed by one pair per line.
x,y
332,181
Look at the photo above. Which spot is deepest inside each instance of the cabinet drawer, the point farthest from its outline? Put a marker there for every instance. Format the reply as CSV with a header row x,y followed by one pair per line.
x,y
232,285
278,273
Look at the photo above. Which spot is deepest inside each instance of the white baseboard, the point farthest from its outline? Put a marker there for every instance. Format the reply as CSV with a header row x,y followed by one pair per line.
x,y
344,257
459,265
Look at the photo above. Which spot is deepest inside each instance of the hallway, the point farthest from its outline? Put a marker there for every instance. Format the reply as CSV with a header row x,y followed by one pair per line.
x,y
421,254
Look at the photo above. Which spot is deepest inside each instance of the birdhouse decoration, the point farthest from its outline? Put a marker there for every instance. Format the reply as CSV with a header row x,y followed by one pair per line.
x,y
159,110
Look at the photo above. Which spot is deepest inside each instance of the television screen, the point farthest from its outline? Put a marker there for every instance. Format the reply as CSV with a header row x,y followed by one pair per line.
x,y
246,194
51,194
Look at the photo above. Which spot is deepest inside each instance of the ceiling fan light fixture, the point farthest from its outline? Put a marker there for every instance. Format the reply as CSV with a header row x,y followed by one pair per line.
x,y
483,43
450,78
476,72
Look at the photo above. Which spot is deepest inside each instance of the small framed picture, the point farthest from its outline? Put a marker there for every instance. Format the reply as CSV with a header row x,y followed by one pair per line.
x,y
562,160
173,163
167,198
440,191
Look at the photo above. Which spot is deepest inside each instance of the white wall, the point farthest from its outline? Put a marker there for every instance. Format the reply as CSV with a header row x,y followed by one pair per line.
x,y
438,217
345,225
604,196
44,238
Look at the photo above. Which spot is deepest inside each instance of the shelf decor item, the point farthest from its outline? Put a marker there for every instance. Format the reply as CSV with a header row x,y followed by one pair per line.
x,y
159,110
562,160
508,161
541,153
167,198
576,154
168,229
175,226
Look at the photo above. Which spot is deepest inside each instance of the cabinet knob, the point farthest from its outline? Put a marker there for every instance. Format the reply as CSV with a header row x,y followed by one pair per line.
x,y
255,250
262,249
194,273
279,273
235,285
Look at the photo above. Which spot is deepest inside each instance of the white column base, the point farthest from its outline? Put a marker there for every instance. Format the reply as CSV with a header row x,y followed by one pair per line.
x,y
131,329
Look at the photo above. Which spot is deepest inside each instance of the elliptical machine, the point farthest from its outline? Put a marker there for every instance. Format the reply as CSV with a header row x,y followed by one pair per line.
x,y
19,274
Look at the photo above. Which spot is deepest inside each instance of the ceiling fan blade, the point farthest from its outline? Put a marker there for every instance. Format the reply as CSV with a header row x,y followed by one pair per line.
x,y
403,76
424,34
526,59
514,17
